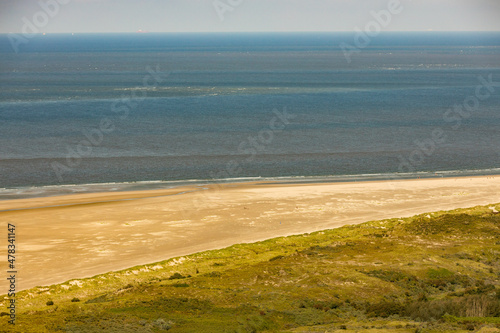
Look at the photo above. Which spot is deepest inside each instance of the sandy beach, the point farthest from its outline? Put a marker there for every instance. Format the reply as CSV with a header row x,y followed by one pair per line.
x,y
81,235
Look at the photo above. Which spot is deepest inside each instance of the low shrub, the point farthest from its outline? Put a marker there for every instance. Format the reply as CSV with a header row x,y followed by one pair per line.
x,y
176,276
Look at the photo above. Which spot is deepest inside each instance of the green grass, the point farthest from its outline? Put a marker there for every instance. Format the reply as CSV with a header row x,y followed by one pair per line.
x,y
413,274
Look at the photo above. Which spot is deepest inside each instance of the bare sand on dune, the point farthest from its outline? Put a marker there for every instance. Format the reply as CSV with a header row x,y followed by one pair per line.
x,y
81,235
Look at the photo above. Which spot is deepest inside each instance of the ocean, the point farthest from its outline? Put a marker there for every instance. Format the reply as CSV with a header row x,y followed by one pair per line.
x,y
125,108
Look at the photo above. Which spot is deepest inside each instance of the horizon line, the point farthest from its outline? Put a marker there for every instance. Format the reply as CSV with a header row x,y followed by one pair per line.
x,y
145,32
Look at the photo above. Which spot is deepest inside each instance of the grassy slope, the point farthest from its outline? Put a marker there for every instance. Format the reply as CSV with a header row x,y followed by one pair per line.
x,y
427,271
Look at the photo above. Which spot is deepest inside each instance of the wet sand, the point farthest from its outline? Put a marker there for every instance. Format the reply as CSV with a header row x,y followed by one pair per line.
x,y
81,235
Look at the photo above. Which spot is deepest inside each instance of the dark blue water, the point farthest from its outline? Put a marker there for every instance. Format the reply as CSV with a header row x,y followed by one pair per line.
x,y
79,109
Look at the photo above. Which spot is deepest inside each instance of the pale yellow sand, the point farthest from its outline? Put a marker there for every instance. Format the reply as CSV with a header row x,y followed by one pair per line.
x,y
88,234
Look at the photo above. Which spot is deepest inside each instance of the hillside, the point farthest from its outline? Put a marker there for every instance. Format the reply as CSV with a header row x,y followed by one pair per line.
x,y
432,272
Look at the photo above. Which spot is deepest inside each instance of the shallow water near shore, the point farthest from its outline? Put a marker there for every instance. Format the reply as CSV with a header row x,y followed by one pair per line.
x,y
58,190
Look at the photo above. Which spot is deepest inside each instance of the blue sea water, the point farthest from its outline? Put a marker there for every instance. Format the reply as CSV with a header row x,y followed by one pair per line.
x,y
99,108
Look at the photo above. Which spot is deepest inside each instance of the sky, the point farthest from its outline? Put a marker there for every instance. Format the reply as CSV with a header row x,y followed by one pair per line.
x,y
56,16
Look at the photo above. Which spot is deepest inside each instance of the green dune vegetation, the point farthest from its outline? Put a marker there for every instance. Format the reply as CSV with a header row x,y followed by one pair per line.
x,y
434,272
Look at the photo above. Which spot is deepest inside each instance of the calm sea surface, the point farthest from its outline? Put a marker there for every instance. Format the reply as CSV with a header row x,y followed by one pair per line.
x,y
81,109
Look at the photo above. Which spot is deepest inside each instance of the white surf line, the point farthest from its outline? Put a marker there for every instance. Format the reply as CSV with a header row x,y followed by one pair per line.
x,y
98,202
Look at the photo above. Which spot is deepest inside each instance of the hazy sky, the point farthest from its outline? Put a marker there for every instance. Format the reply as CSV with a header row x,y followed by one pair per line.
x,y
243,15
